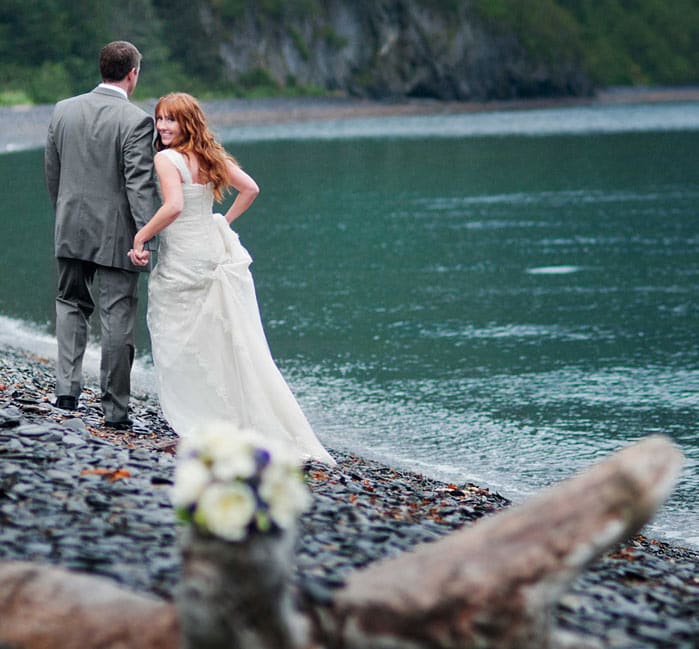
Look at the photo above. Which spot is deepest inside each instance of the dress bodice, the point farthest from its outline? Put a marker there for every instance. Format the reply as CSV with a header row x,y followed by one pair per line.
x,y
192,239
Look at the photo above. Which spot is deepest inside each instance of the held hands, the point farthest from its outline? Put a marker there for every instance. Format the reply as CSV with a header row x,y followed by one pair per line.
x,y
138,255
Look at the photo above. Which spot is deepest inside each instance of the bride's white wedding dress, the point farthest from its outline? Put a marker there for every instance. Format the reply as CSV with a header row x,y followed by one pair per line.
x,y
210,352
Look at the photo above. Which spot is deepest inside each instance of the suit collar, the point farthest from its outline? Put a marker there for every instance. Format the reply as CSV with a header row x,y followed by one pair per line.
x,y
111,91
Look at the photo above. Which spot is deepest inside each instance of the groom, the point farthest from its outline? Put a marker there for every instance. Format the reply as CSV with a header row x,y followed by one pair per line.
x,y
99,173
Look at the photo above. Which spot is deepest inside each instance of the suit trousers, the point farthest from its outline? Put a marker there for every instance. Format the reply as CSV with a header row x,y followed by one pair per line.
x,y
117,299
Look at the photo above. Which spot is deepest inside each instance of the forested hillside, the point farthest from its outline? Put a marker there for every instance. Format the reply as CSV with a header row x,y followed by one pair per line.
x,y
448,49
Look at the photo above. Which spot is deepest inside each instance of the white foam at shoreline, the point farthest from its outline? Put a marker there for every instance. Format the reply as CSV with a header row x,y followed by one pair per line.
x,y
363,427
35,339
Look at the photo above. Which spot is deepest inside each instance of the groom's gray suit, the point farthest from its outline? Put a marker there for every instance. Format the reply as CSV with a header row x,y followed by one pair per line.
x,y
99,173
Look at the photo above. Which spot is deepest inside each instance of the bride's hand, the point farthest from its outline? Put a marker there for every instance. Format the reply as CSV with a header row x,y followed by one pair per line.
x,y
138,255
139,258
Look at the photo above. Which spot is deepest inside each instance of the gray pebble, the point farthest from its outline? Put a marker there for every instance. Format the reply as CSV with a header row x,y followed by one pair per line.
x,y
51,509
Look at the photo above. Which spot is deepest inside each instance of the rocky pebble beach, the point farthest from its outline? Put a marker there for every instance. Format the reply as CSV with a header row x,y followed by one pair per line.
x,y
83,497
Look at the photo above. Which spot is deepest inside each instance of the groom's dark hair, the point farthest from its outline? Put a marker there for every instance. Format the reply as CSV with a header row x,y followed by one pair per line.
x,y
117,59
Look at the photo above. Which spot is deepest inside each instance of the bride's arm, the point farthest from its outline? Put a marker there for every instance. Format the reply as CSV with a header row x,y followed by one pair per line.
x,y
173,201
247,191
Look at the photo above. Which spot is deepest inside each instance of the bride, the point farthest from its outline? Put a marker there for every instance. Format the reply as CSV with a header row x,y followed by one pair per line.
x,y
210,352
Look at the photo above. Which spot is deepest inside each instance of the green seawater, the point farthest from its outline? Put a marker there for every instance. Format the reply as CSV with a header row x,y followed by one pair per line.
x,y
504,308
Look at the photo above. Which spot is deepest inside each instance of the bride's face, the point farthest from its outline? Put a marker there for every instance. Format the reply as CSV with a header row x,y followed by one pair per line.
x,y
168,128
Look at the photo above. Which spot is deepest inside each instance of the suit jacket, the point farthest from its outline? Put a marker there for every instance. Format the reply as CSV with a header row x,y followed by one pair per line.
x,y
99,173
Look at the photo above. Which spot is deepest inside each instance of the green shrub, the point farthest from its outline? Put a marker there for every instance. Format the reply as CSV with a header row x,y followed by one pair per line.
x,y
14,98
332,39
300,43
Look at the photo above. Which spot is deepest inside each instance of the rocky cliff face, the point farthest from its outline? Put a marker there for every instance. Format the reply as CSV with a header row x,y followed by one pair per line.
x,y
389,49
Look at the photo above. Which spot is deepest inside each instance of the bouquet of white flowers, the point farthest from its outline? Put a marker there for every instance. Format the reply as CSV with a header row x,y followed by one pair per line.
x,y
232,482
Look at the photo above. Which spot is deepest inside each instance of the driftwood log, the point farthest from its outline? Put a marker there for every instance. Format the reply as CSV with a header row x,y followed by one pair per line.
x,y
494,584
43,607
489,586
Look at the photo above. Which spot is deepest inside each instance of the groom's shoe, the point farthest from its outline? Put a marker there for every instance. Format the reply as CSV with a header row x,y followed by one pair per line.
x,y
122,424
66,402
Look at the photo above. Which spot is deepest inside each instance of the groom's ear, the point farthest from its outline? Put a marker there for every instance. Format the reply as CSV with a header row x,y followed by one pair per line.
x,y
132,79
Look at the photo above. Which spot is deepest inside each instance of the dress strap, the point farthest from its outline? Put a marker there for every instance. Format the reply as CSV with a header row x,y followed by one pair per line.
x,y
179,161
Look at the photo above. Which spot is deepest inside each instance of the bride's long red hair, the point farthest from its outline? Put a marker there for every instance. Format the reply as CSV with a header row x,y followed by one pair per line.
x,y
196,138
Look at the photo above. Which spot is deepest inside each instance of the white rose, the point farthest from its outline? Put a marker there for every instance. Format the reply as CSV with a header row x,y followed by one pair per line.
x,y
191,477
226,510
229,450
232,458
193,443
285,493
206,435
217,436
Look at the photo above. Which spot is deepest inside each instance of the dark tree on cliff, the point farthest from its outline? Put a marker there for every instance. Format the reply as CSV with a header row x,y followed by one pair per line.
x,y
639,41
48,48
